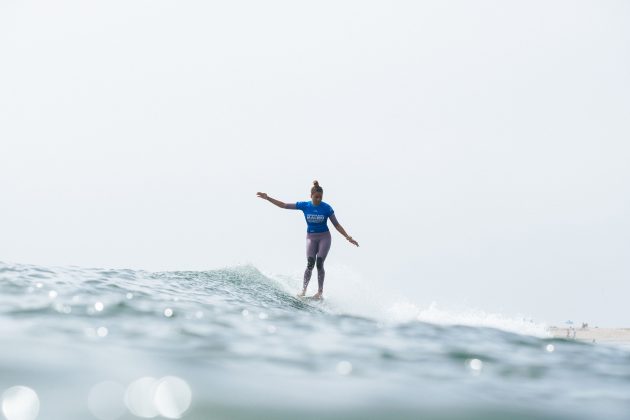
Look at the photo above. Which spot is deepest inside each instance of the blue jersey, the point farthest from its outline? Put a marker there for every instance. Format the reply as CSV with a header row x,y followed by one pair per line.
x,y
316,216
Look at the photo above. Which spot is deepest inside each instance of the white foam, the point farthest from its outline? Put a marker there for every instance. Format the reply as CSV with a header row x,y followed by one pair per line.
x,y
471,317
353,295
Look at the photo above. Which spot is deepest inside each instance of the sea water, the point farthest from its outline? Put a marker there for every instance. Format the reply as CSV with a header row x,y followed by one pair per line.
x,y
235,343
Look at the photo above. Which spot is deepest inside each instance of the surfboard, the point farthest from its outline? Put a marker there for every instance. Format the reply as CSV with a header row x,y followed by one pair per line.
x,y
310,298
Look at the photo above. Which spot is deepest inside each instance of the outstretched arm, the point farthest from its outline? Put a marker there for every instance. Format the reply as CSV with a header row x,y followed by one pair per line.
x,y
341,230
278,203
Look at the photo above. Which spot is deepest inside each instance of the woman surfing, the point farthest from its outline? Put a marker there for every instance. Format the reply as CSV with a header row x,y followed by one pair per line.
x,y
318,238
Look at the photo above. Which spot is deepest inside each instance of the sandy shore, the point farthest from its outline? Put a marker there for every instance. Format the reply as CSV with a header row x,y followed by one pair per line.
x,y
618,336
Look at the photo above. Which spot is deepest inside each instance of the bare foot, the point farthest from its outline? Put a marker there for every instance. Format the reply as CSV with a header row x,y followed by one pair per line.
x,y
301,294
317,295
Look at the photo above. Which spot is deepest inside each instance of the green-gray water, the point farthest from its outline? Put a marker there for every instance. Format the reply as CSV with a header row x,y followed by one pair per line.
x,y
236,344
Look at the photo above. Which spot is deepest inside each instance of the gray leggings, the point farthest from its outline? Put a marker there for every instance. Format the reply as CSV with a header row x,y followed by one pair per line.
x,y
317,247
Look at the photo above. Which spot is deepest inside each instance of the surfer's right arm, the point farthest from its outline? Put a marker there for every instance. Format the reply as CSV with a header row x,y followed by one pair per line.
x,y
278,203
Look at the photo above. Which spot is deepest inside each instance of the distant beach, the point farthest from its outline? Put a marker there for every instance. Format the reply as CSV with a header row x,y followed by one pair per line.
x,y
616,336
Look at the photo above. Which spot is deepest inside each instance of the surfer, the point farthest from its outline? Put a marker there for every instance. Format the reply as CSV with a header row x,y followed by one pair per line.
x,y
318,239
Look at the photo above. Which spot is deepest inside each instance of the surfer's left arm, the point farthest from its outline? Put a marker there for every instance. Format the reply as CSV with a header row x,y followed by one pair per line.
x,y
341,230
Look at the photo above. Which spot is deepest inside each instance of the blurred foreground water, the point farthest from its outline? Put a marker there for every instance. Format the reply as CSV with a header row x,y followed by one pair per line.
x,y
80,343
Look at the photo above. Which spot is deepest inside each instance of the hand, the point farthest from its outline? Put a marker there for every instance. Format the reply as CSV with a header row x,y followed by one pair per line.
x,y
352,241
262,195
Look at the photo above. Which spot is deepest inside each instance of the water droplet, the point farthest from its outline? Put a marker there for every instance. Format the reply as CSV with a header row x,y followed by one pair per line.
x,y
263,315
344,367
245,312
129,295
147,397
168,312
475,365
550,348
139,397
52,294
172,397
20,403
99,306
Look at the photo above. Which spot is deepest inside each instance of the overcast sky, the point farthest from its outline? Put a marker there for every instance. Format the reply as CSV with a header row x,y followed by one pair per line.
x,y
477,150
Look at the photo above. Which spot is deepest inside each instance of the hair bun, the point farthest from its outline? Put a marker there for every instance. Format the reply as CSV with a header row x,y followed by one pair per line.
x,y
316,183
